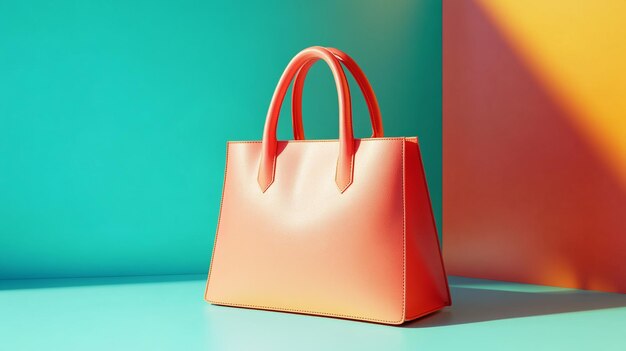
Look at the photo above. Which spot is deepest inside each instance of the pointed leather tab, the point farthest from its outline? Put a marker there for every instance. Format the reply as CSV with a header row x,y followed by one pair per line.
x,y
343,177
266,174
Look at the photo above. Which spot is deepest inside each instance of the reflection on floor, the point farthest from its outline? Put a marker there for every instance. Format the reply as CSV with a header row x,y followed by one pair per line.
x,y
168,313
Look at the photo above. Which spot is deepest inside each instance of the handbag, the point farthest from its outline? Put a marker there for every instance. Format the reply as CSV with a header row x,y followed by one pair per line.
x,y
340,228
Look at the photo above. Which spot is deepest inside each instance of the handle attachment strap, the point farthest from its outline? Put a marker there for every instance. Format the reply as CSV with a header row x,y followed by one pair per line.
x,y
345,160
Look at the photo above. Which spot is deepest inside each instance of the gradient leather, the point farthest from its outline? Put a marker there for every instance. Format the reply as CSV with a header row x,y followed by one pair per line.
x,y
301,245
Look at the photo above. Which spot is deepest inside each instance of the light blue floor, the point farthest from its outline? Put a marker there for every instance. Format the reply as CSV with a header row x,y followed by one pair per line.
x,y
168,313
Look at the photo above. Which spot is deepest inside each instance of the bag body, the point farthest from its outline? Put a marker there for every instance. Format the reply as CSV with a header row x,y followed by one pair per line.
x,y
340,228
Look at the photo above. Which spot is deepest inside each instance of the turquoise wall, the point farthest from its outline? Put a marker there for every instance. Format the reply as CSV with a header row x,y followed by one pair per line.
x,y
114,116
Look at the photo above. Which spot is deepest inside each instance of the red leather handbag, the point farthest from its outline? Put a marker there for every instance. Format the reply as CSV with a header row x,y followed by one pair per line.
x,y
340,228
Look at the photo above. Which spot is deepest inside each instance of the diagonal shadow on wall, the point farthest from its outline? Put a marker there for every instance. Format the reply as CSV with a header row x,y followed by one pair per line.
x,y
526,197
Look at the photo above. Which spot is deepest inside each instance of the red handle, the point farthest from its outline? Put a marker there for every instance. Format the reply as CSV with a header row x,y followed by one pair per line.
x,y
343,175
361,79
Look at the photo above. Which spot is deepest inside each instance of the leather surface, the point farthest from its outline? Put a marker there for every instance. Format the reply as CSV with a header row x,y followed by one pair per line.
x,y
426,283
302,245
367,252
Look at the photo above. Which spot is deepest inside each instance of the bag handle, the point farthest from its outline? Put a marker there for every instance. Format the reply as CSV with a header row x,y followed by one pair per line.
x,y
267,165
361,79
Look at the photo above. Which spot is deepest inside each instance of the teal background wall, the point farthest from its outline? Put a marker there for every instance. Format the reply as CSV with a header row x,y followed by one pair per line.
x,y
114,116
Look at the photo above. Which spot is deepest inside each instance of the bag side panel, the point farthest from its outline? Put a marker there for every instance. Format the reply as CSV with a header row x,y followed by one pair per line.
x,y
426,285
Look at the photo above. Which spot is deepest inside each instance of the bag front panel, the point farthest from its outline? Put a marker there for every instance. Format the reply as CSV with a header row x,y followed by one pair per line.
x,y
303,246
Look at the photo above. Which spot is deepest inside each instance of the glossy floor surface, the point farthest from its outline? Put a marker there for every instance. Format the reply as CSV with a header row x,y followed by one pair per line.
x,y
168,313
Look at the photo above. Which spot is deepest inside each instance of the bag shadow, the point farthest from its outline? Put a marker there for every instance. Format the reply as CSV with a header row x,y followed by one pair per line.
x,y
475,300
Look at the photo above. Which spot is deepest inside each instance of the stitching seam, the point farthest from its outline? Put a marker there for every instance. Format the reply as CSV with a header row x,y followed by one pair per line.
x,y
270,308
314,141
402,319
403,235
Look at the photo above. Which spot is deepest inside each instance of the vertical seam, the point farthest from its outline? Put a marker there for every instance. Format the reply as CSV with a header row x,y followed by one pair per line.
x,y
403,235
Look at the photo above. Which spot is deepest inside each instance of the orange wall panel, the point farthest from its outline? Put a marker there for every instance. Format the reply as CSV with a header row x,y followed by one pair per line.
x,y
534,142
